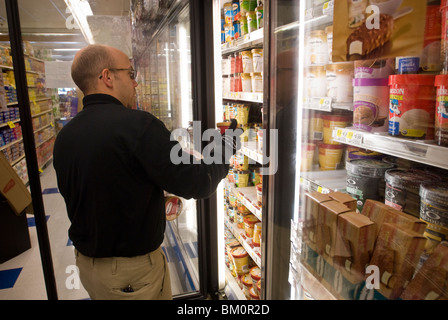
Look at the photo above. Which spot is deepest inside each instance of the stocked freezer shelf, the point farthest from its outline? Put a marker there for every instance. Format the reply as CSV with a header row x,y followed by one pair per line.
x,y
253,251
256,97
250,149
247,41
323,181
425,152
248,197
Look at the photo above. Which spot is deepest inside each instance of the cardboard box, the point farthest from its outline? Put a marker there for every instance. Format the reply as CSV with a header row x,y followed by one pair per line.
x,y
312,202
431,282
327,234
343,198
381,213
355,245
396,255
12,187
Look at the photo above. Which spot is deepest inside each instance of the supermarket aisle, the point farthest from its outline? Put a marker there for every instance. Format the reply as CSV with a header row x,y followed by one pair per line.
x,y
21,278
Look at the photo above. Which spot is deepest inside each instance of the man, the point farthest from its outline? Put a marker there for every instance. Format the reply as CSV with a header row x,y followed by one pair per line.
x,y
112,165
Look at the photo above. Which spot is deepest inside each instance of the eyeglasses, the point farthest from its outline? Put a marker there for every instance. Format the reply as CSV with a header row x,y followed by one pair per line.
x,y
132,72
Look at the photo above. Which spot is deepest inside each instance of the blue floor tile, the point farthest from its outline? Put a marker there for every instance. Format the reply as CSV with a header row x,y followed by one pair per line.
x,y
9,277
32,222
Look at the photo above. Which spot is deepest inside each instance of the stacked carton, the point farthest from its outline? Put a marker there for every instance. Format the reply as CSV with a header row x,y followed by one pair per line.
x,y
341,244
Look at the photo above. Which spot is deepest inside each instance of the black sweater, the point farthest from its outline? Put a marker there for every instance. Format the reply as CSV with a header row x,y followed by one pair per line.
x,y
112,165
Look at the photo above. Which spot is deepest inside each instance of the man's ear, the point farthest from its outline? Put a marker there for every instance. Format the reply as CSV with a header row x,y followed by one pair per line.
x,y
106,78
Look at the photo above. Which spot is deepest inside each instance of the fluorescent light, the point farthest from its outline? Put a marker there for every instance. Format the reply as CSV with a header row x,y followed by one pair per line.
x,y
81,10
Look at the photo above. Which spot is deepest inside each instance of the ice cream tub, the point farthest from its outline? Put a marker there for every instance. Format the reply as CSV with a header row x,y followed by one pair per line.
x,y
249,223
365,179
330,156
255,274
376,68
256,240
259,194
412,106
441,124
370,104
403,186
331,122
339,82
240,259
434,210
307,156
246,280
241,178
253,294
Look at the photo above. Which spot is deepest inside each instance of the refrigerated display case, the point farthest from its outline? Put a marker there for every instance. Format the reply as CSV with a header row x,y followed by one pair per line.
x,y
368,224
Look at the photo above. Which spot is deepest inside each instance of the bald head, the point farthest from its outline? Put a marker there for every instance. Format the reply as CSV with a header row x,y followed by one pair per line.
x,y
88,64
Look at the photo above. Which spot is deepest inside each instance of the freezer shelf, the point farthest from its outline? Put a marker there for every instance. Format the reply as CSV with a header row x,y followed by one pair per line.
x,y
323,181
425,152
250,149
247,196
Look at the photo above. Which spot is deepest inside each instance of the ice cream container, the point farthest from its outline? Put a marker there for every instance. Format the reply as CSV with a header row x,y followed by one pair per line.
x,y
246,280
317,48
339,82
240,260
441,123
255,274
316,126
370,104
251,21
365,179
412,106
434,210
249,223
403,186
377,68
241,178
307,156
246,82
316,81
253,294
256,240
407,65
242,113
241,162
330,122
257,59
259,194
330,156
248,66
360,154
259,286
257,81
228,12
431,54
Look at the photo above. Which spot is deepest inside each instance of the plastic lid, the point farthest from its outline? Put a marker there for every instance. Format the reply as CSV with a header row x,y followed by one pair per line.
x,y
441,80
370,82
412,79
246,280
239,252
367,167
435,193
409,178
255,273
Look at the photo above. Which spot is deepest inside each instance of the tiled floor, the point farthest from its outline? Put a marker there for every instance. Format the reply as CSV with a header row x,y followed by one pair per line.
x,y
21,278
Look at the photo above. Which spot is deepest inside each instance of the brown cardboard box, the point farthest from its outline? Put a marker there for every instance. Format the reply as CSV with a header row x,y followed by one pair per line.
x,y
396,254
327,235
381,213
355,245
12,187
431,282
312,201
343,198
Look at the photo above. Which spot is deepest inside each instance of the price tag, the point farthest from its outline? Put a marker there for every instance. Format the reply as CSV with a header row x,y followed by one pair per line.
x,y
328,8
11,124
325,104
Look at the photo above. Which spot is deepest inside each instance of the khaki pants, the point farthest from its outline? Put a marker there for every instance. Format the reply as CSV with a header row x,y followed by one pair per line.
x,y
106,278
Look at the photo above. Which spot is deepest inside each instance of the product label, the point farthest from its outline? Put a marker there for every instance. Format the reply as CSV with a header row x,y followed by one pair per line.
x,y
442,109
364,115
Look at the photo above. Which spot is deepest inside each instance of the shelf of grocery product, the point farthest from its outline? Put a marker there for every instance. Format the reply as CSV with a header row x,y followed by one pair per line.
x,y
247,196
325,104
253,251
323,181
426,152
256,97
250,149
247,41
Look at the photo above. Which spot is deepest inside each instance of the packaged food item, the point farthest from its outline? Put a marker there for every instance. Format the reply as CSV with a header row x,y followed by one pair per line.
x,y
317,47
332,121
257,59
407,65
411,110
229,32
329,32
247,61
173,207
236,29
365,179
228,12
307,156
371,104
316,126
253,294
441,124
256,240
431,54
376,68
249,224
255,274
257,82
434,210
316,81
246,82
339,82
241,178
247,284
259,194
403,186
259,15
243,25
236,10
251,21
330,156
240,259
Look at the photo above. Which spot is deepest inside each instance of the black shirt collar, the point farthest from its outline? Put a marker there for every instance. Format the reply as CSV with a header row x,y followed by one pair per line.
x,y
99,98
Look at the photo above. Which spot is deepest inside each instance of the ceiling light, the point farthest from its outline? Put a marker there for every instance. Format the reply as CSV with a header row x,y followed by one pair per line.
x,y
81,10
